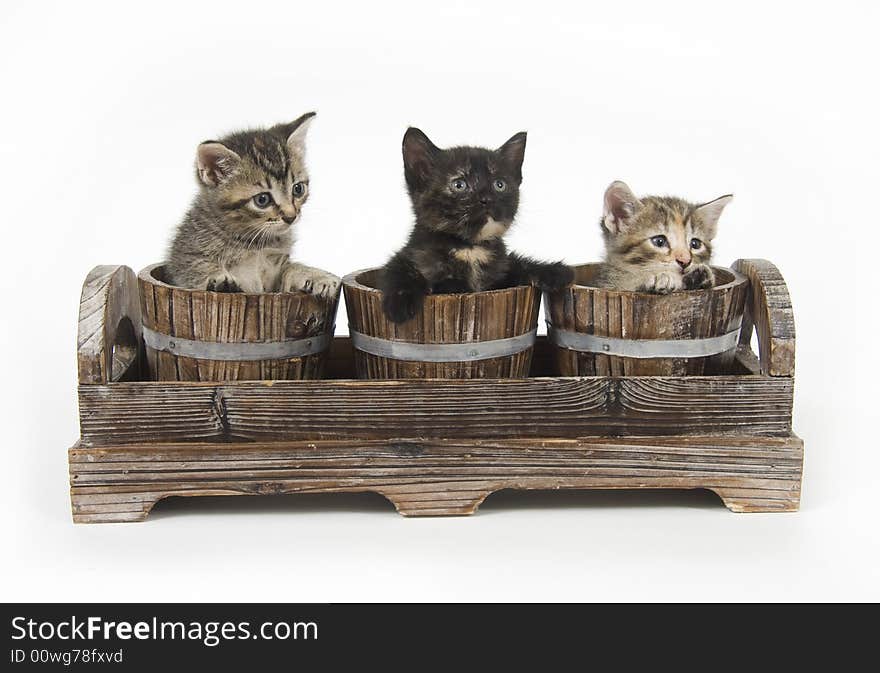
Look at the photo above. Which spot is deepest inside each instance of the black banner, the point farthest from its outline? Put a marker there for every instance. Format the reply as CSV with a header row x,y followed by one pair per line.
x,y
245,636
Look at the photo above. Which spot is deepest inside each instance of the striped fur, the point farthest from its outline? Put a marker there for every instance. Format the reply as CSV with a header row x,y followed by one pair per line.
x,y
657,243
238,233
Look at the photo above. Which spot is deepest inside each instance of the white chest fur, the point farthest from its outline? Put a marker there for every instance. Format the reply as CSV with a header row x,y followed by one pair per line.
x,y
472,255
492,229
258,271
475,257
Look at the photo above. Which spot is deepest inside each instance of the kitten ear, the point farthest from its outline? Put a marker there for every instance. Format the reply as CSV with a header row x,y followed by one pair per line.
x,y
514,152
418,157
621,205
711,211
215,163
296,133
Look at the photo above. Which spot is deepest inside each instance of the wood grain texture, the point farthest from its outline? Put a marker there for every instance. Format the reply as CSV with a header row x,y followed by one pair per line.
x,y
434,477
445,318
560,407
769,312
641,315
231,318
109,331
432,447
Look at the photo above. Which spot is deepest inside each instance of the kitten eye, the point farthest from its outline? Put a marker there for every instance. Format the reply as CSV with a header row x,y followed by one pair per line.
x,y
299,189
459,185
696,243
660,241
499,185
263,200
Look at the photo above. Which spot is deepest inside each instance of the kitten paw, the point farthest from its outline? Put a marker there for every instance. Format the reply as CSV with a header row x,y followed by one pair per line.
x,y
312,281
223,283
325,285
402,305
662,283
552,277
699,278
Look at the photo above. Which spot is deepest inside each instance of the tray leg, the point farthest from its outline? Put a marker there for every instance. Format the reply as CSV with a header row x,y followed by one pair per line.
x,y
112,507
753,499
435,500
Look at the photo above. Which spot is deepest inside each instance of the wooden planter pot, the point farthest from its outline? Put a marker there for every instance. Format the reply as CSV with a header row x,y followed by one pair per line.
x,y
195,335
433,446
604,332
475,335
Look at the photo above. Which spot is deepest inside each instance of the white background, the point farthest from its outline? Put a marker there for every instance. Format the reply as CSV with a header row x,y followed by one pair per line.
x,y
103,105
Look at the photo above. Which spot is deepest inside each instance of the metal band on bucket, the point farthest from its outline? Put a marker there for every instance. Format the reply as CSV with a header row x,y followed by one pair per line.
x,y
239,351
642,348
461,352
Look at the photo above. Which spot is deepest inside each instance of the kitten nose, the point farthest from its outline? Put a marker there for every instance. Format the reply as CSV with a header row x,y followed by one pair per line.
x,y
683,262
484,199
288,218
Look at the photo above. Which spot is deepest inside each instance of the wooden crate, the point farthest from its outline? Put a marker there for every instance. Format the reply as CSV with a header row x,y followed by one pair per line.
x,y
432,447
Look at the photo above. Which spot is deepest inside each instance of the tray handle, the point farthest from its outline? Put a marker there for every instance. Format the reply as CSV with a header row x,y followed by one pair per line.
x,y
768,311
109,346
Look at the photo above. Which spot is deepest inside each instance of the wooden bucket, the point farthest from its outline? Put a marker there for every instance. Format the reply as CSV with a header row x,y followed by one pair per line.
x,y
196,335
604,332
473,335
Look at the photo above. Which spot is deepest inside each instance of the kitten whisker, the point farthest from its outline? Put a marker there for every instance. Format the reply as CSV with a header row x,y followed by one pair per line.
x,y
253,241
264,237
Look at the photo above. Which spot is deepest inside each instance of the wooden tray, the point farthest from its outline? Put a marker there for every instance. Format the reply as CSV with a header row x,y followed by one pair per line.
x,y
432,447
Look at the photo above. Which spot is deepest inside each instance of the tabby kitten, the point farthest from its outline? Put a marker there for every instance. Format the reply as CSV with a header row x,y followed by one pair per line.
x,y
238,233
657,243
464,200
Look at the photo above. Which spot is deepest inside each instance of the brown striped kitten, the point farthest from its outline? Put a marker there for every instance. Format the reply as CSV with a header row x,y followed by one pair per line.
x,y
657,244
238,233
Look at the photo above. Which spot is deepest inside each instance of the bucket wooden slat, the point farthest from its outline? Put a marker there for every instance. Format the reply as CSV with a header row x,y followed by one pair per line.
x,y
603,312
202,317
445,319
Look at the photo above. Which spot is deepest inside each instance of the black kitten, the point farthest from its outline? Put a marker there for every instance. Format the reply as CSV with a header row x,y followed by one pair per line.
x,y
464,199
